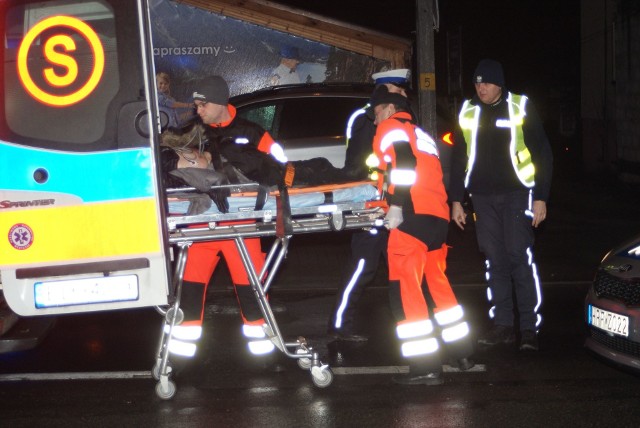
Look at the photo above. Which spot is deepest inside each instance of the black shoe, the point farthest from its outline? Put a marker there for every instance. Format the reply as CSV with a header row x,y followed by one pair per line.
x,y
529,341
429,379
499,334
463,364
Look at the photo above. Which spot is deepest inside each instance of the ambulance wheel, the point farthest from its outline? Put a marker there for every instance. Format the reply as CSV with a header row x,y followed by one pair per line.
x,y
304,363
170,391
322,378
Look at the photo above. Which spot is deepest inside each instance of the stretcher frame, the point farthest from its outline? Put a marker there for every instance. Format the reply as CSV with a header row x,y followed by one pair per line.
x,y
282,223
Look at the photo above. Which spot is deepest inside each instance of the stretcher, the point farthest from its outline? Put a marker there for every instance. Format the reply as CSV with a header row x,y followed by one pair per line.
x,y
285,213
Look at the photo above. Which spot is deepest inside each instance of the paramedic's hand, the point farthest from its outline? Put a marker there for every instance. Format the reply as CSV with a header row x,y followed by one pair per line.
x,y
539,212
458,215
394,217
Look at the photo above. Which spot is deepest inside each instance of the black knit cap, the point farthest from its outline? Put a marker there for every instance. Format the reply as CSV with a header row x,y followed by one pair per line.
x,y
213,89
489,71
381,95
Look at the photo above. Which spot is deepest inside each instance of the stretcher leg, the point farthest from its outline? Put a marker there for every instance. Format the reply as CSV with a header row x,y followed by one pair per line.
x,y
307,358
166,388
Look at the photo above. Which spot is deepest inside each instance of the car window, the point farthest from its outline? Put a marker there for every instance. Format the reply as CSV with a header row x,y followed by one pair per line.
x,y
316,117
263,115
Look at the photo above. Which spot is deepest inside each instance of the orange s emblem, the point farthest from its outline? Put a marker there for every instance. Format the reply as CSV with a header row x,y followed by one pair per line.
x,y
55,50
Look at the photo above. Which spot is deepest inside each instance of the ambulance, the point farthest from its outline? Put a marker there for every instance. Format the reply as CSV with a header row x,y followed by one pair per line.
x,y
81,204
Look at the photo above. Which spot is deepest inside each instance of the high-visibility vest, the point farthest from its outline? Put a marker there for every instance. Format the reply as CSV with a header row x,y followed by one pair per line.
x,y
520,155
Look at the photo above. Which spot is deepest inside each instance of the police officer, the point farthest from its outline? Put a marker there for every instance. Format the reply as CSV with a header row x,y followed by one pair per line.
x,y
367,247
418,219
503,158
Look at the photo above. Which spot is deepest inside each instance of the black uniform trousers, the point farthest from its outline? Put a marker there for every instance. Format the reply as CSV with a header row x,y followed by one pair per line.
x,y
505,236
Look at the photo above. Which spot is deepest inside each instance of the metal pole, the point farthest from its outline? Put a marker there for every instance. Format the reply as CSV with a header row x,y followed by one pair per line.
x,y
426,70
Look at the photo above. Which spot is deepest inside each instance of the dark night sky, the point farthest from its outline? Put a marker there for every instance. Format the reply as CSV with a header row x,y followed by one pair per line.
x,y
538,42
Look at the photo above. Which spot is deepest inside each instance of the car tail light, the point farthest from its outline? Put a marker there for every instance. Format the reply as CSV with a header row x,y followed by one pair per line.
x,y
448,138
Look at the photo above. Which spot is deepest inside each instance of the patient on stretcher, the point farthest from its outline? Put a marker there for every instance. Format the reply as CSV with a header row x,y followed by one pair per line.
x,y
192,158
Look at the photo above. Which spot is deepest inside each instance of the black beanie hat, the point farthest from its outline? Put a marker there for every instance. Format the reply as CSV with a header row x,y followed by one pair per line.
x,y
213,89
489,71
381,95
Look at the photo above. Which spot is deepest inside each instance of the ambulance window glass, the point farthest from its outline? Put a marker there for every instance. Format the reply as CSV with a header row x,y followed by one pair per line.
x,y
60,71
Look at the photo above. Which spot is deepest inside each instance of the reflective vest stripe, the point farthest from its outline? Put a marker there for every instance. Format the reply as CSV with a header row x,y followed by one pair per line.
x,y
394,136
402,177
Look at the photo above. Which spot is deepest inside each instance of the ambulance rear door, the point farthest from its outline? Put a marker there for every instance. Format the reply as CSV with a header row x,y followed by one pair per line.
x,y
81,208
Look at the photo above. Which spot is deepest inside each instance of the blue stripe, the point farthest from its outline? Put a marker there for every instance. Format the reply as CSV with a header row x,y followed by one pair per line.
x,y
93,177
399,80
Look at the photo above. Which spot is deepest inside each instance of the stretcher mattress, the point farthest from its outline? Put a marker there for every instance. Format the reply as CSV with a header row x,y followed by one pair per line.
x,y
298,198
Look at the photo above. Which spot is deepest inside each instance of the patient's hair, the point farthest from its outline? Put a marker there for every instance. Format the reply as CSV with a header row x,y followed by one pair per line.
x,y
190,137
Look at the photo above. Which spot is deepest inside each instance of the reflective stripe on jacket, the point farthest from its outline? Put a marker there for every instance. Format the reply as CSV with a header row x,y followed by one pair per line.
x,y
410,156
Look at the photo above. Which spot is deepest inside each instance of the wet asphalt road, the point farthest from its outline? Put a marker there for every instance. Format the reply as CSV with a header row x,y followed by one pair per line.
x,y
561,385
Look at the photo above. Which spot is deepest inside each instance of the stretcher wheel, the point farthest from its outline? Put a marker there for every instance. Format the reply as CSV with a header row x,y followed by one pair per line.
x,y
304,363
322,376
155,372
168,393
179,315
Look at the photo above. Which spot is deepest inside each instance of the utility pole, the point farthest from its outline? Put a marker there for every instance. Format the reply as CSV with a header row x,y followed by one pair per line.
x,y
426,70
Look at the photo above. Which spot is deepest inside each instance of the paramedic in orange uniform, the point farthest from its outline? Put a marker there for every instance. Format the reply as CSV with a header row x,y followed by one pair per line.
x,y
220,120
418,220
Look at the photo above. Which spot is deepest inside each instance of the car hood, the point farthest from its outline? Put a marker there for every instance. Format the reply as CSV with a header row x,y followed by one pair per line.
x,y
624,260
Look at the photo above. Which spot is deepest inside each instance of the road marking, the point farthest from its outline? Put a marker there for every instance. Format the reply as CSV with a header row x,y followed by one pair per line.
x,y
147,374
397,369
74,376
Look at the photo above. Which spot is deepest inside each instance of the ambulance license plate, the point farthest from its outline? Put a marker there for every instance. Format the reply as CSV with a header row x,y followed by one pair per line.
x,y
84,291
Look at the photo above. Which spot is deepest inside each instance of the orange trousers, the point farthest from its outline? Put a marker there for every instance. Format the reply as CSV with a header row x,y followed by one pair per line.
x,y
411,264
201,263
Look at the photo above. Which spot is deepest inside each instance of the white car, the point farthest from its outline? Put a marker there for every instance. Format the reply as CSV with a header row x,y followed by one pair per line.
x,y
310,120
